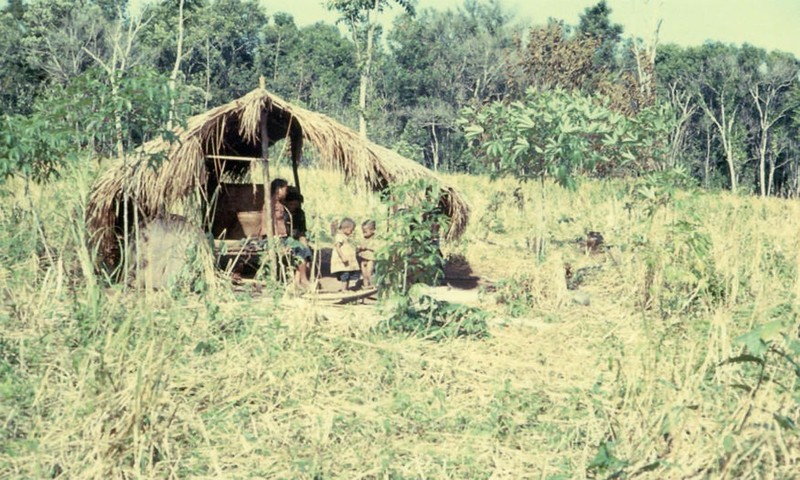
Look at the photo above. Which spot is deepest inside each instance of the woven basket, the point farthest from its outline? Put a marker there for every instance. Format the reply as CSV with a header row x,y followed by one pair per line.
x,y
251,222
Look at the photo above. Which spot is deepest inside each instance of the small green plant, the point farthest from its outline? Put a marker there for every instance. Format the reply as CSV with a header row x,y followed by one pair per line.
x,y
605,461
489,222
410,252
774,349
422,315
515,294
680,274
768,364
658,189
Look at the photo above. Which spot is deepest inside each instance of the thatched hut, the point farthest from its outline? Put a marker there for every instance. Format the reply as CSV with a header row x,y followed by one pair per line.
x,y
218,140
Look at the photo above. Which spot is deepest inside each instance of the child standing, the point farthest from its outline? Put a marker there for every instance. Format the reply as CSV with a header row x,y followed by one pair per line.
x,y
366,251
343,259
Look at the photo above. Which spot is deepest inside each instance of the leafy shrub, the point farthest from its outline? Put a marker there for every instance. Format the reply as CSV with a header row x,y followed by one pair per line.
x,y
558,134
410,250
425,316
83,116
33,147
658,189
489,222
680,274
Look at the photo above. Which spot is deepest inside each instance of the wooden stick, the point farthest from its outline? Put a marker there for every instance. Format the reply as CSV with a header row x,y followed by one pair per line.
x,y
273,262
297,151
237,159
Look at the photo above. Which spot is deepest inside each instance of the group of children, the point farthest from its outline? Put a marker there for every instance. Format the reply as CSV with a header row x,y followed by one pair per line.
x,y
350,260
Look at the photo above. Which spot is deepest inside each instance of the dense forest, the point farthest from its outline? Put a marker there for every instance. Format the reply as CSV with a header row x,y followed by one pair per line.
x,y
467,90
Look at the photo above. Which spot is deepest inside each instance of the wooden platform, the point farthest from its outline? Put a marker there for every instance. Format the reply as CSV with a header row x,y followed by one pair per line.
x,y
246,255
347,296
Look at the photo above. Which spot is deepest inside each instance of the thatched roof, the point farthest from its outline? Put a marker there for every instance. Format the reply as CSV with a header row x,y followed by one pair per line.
x,y
234,128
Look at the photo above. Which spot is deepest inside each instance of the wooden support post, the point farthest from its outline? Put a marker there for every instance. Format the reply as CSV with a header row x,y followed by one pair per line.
x,y
297,152
268,207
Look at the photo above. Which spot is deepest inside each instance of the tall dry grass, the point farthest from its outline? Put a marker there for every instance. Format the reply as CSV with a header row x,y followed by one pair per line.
x,y
100,383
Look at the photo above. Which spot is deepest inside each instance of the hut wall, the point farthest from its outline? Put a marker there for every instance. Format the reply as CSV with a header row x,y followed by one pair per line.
x,y
238,211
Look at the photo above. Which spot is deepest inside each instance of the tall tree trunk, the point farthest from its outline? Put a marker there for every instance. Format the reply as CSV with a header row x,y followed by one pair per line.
x,y
725,129
275,59
762,141
208,71
766,120
177,67
362,105
645,57
762,163
682,102
435,148
707,163
771,178
796,179
731,165
121,52
372,23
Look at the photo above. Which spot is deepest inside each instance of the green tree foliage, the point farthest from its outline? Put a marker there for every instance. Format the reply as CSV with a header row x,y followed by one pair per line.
x,y
312,66
220,45
88,106
595,22
60,34
225,60
735,108
280,36
80,119
19,79
440,61
361,18
769,89
737,123
33,147
159,38
558,134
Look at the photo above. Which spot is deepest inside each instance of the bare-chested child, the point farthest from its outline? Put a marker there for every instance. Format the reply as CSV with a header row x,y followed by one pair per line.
x,y
344,263
296,228
280,215
366,251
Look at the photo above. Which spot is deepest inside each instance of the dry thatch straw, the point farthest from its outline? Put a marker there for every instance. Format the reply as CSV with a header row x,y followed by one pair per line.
x,y
234,128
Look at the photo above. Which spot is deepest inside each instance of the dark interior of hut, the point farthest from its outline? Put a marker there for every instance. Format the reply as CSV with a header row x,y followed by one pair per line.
x,y
234,198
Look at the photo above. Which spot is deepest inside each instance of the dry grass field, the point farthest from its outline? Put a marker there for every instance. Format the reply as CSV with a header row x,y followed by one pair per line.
x,y
671,352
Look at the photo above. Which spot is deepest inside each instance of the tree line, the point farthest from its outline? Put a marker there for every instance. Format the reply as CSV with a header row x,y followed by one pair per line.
x,y
466,89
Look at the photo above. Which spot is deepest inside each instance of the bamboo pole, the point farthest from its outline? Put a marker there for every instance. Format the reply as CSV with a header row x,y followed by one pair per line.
x,y
235,158
268,208
297,152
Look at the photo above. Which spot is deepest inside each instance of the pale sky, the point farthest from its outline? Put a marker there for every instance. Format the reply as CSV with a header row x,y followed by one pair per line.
x,y
769,24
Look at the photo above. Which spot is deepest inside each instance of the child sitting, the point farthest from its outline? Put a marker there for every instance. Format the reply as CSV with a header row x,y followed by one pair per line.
x,y
296,228
343,259
366,251
280,219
